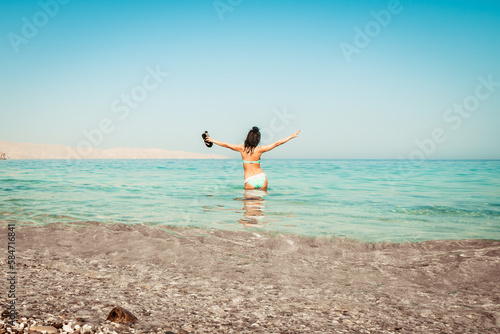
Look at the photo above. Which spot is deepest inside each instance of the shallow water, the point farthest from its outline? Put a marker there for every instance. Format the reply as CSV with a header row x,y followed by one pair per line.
x,y
369,200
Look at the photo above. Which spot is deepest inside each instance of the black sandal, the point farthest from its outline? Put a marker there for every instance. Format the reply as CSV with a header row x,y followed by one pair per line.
x,y
207,143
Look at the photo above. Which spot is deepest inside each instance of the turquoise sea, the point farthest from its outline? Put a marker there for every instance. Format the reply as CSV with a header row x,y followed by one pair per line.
x,y
368,200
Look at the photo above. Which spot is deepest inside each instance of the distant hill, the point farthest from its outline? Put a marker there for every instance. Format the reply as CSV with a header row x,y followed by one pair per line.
x,y
43,151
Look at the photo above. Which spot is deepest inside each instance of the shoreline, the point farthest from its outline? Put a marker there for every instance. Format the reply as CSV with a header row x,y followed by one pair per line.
x,y
208,280
248,228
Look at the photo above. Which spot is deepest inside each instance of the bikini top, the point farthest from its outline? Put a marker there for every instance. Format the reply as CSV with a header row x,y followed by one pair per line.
x,y
251,162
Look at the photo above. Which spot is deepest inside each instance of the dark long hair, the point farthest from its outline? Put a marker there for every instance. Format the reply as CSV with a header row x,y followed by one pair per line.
x,y
253,139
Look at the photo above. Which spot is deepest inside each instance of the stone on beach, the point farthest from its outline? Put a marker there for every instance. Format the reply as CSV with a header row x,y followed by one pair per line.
x,y
46,329
121,315
426,313
68,329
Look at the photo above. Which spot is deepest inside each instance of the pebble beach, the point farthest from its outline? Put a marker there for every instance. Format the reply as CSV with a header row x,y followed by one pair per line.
x,y
196,280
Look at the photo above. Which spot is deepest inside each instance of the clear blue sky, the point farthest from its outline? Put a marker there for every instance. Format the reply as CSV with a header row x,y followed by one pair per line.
x,y
361,79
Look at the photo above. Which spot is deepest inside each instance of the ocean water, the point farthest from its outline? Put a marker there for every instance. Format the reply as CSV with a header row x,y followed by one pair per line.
x,y
367,200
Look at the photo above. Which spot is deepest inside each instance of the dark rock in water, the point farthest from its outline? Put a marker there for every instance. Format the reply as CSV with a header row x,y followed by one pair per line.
x,y
121,315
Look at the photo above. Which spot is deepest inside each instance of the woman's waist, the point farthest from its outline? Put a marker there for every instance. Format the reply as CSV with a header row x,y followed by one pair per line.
x,y
254,173
252,169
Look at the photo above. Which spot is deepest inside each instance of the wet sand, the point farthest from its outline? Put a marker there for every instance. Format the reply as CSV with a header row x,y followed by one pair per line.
x,y
212,281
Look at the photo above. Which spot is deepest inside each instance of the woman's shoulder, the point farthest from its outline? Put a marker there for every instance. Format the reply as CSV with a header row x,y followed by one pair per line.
x,y
260,149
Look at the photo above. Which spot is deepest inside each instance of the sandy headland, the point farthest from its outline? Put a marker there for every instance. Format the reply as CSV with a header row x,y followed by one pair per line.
x,y
42,151
194,280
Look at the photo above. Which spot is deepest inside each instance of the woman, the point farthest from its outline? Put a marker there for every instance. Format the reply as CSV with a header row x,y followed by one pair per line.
x,y
250,153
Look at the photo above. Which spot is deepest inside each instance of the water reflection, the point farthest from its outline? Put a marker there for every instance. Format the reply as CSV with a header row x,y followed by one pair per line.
x,y
254,208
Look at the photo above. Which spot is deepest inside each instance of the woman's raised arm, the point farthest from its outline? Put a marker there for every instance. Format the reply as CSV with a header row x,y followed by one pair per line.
x,y
269,147
237,148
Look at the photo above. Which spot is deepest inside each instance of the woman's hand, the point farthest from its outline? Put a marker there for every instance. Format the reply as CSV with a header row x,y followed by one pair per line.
x,y
210,140
295,134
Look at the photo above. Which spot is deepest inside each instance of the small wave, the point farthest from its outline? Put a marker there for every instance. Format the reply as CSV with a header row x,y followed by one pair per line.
x,y
11,180
436,210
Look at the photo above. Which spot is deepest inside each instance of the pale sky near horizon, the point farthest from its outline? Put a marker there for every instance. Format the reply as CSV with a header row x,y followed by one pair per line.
x,y
360,79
